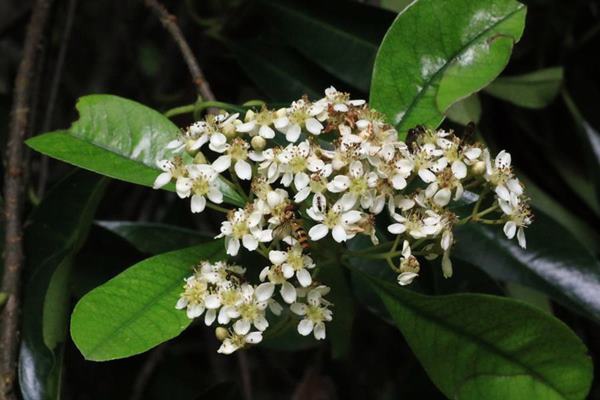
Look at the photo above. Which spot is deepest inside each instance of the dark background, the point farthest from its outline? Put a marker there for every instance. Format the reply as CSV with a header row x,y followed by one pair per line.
x,y
119,47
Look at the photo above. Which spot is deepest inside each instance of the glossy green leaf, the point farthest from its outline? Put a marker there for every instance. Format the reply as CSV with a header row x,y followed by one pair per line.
x,y
153,238
118,138
438,52
135,310
59,225
487,347
554,262
342,37
533,90
465,111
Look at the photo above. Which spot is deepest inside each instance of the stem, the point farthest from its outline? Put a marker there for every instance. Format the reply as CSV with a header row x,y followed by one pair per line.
x,y
169,22
13,196
217,208
201,106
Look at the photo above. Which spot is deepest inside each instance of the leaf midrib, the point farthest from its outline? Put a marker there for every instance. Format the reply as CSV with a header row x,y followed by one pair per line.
x,y
429,82
455,330
140,311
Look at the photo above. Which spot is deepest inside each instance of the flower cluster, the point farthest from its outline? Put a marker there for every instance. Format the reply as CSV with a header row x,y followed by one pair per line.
x,y
335,166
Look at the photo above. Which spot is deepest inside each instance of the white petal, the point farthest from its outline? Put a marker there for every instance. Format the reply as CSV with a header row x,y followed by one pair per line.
x,y
398,182
442,197
319,331
162,180
339,234
264,291
241,326
293,133
266,131
243,169
222,163
210,317
212,301
503,192
397,229
215,195
301,180
510,229
261,323
277,257
459,169
426,175
288,292
246,127
281,123
304,277
250,242
305,327
521,238
254,337
313,126
406,278
318,232
233,246
351,217
198,203
298,308
194,311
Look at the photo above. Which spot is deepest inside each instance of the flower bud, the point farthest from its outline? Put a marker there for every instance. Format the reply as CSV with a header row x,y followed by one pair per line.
x,y
258,143
221,333
228,130
249,116
200,158
478,168
446,265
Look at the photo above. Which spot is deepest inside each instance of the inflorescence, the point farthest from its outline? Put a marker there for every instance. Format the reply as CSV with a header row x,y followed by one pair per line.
x,y
334,166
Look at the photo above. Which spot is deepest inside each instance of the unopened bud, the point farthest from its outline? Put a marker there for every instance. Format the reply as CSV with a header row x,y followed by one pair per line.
x,y
446,265
221,333
200,158
478,168
258,143
249,115
228,130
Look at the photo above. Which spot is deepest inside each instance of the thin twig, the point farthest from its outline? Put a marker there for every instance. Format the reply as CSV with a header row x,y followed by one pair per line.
x,y
245,373
13,197
169,22
141,382
56,79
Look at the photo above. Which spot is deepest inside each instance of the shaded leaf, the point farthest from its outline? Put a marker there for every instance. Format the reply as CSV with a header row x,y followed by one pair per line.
x,y
438,52
554,262
488,347
135,310
59,226
154,238
465,111
118,138
342,37
533,90
288,79
2,299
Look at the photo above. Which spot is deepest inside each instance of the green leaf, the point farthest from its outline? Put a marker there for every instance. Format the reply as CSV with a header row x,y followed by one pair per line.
x,y
135,310
59,226
533,90
465,111
3,298
554,262
438,52
340,36
487,347
153,238
118,138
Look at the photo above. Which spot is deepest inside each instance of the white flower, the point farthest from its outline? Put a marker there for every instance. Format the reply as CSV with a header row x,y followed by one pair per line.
x,y
357,183
236,152
298,116
258,123
236,341
315,312
340,219
170,170
275,276
294,262
251,311
409,266
295,162
244,226
202,183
